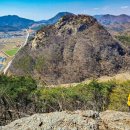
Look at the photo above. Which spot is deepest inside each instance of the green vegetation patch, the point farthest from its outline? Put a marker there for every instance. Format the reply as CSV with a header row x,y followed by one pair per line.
x,y
40,64
23,94
25,63
15,88
94,96
124,39
12,52
118,97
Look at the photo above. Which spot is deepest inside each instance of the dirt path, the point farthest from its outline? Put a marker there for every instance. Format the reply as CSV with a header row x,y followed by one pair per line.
x,y
7,67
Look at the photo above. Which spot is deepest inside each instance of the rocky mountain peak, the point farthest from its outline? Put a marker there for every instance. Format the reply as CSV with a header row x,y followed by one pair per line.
x,y
76,48
77,19
75,23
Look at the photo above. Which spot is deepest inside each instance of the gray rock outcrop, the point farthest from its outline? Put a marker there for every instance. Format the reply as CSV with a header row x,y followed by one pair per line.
x,y
114,120
78,120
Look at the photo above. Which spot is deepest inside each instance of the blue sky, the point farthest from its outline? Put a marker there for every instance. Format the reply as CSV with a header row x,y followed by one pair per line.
x,y
44,9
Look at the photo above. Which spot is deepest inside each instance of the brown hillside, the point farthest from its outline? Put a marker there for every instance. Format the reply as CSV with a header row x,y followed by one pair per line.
x,y
72,50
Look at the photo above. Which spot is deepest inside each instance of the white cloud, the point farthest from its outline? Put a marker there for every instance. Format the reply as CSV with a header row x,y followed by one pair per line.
x,y
105,8
96,8
124,7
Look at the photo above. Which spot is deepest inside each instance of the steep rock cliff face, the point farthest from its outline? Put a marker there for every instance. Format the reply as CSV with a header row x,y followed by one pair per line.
x,y
72,50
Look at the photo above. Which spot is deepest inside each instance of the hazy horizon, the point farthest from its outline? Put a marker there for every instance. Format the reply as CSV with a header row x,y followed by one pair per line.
x,y
45,9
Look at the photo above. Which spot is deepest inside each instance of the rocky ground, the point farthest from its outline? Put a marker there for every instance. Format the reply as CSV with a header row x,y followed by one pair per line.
x,y
78,120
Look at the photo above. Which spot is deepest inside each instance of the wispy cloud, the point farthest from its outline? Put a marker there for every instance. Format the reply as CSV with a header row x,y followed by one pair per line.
x,y
124,7
96,8
102,8
105,8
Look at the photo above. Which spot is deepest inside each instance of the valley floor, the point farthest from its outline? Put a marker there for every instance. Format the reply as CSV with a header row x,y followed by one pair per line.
x,y
10,43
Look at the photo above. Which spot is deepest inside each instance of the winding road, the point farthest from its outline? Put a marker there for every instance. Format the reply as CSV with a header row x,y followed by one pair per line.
x,y
7,67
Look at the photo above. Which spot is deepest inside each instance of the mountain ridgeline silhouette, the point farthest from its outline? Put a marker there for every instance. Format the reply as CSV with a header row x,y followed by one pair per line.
x,y
112,19
55,19
14,23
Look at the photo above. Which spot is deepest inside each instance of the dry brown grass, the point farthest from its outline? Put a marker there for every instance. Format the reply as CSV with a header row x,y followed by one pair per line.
x,y
119,78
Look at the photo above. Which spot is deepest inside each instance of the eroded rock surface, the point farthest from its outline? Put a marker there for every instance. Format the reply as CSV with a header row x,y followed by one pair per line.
x,y
78,120
112,120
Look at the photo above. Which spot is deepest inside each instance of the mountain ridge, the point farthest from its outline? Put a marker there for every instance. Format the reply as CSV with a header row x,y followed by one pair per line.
x,y
15,21
55,18
56,51
109,19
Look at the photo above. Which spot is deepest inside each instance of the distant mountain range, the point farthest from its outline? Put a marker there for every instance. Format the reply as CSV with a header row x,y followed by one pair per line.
x,y
54,19
115,24
14,23
112,19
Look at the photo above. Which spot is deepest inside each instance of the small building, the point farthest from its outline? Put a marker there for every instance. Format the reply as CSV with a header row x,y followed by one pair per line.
x,y
2,59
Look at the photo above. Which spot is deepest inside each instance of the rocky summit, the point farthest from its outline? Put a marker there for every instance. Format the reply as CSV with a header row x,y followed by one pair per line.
x,y
78,120
76,48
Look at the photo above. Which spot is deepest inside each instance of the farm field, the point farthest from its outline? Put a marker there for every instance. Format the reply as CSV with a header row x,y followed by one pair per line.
x,y
12,52
9,46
